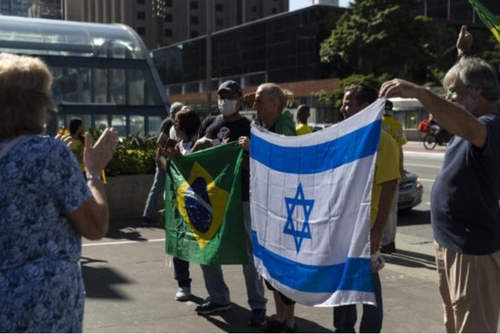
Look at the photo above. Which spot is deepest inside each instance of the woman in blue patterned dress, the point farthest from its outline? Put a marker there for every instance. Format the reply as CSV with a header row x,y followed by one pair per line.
x,y
45,206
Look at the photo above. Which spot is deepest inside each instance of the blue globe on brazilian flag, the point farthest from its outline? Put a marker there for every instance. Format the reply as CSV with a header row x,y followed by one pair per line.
x,y
203,210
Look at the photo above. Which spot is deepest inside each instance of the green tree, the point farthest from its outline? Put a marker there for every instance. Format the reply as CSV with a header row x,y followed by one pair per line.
x,y
382,36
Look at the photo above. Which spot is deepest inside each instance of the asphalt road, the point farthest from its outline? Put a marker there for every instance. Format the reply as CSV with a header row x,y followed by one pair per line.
x,y
426,164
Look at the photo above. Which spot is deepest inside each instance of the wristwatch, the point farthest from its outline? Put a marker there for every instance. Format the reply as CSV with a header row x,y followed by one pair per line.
x,y
94,177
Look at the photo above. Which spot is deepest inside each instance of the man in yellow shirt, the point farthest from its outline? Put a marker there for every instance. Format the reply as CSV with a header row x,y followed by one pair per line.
x,y
356,98
303,114
393,127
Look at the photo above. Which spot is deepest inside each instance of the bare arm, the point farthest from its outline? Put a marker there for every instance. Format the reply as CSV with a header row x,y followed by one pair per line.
x,y
402,171
384,208
91,219
451,116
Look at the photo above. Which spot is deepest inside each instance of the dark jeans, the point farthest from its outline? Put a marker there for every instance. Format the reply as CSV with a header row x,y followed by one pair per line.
x,y
345,317
181,273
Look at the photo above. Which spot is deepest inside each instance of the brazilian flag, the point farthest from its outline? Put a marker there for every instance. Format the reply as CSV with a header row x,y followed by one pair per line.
x,y
203,209
488,18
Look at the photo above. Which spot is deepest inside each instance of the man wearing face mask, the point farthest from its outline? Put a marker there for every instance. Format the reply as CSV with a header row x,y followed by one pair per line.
x,y
227,127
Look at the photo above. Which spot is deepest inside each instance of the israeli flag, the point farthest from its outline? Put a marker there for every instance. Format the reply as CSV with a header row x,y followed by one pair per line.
x,y
310,207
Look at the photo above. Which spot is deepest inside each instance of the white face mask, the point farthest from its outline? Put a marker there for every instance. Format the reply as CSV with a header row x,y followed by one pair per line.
x,y
227,107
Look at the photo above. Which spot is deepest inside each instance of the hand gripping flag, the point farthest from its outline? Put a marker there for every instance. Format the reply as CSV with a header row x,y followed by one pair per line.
x,y
203,209
310,208
488,18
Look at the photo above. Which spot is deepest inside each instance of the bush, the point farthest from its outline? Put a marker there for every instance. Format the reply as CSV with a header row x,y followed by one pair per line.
x,y
134,155
132,162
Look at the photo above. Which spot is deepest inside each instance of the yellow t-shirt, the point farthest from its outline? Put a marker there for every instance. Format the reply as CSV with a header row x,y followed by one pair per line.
x,y
395,129
386,169
77,147
302,129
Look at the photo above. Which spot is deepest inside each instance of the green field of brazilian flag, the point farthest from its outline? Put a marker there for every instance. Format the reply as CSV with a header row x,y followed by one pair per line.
x,y
203,210
488,18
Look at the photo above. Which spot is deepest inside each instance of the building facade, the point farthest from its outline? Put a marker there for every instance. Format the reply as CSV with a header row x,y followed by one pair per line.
x,y
48,9
166,22
454,11
283,49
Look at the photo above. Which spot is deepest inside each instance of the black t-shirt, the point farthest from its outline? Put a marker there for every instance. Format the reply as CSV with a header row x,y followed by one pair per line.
x,y
215,128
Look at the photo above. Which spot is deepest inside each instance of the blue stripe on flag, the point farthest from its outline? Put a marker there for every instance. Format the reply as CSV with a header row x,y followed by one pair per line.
x,y
354,275
330,155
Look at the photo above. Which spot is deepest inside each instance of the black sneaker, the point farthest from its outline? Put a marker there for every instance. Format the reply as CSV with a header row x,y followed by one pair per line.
x,y
258,317
147,221
273,326
389,248
210,307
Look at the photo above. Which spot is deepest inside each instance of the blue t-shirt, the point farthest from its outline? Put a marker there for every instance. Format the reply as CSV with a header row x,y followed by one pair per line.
x,y
465,211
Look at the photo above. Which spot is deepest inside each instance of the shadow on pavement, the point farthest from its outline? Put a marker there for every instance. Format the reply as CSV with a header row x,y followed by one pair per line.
x,y
100,282
414,217
126,230
236,321
411,259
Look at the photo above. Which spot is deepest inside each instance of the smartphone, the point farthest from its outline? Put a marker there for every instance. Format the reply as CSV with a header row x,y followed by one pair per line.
x,y
170,143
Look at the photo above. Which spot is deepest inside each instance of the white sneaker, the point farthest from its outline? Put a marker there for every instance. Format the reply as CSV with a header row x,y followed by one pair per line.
x,y
183,294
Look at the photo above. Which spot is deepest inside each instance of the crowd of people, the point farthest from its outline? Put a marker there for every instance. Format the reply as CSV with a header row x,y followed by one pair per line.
x,y
43,220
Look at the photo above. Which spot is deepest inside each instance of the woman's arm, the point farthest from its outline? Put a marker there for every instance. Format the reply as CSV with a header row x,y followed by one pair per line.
x,y
91,219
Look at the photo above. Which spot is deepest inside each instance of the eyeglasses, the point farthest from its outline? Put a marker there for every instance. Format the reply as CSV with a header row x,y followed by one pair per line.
x,y
452,93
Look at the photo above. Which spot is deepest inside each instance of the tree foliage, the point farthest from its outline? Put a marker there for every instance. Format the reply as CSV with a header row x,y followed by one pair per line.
x,y
383,36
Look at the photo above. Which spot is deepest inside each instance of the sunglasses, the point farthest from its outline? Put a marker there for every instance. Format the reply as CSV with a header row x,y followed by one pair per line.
x,y
452,93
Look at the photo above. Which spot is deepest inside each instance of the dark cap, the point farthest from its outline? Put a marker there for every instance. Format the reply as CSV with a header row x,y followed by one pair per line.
x,y
230,86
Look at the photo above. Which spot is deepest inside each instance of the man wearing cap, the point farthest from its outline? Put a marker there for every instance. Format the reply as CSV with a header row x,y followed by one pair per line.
x,y
393,127
228,127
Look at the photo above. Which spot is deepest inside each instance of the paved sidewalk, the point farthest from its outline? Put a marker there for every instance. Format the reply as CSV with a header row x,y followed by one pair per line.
x,y
130,289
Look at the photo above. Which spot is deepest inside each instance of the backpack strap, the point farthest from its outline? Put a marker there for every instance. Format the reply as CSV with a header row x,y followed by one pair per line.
x,y
9,145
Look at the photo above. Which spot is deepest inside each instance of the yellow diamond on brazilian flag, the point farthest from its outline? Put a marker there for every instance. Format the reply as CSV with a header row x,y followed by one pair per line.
x,y
203,209
202,204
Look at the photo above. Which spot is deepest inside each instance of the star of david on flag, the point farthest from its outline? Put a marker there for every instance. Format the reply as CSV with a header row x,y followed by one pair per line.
x,y
290,226
310,208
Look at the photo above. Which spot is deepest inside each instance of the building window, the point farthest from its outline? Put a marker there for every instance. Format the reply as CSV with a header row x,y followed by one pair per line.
x,y
219,22
168,32
194,5
141,2
194,19
141,15
194,34
168,3
254,9
141,31
168,17
274,10
219,7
